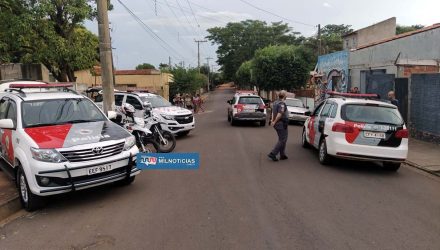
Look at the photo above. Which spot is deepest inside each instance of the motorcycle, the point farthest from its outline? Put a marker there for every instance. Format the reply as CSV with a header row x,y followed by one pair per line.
x,y
165,139
145,140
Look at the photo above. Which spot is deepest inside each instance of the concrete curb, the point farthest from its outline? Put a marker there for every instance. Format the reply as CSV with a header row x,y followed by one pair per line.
x,y
9,207
415,165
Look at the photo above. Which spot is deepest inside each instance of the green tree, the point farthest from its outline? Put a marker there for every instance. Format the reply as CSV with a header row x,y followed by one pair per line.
x,y
145,66
186,80
237,42
280,67
243,75
400,29
49,32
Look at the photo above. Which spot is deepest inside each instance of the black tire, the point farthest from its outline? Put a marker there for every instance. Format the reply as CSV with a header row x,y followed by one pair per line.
x,y
29,201
150,146
233,122
229,118
263,123
170,142
304,142
184,133
324,157
126,181
391,166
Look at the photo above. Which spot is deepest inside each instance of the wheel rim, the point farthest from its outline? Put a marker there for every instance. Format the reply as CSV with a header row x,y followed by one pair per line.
x,y
322,151
23,189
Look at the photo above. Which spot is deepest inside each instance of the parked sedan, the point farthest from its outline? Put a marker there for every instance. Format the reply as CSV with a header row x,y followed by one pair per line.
x,y
298,112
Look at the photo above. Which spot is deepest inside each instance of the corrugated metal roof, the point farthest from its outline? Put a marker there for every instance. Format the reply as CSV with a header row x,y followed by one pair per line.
x,y
435,26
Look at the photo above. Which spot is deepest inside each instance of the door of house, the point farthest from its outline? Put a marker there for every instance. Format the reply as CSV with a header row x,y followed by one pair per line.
x,y
380,84
401,90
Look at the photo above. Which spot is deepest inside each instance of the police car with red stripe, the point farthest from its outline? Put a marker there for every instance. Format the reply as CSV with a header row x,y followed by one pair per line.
x,y
54,140
353,126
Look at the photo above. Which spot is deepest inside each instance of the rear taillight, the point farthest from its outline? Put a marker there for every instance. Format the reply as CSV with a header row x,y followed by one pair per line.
x,y
262,106
239,107
342,128
403,133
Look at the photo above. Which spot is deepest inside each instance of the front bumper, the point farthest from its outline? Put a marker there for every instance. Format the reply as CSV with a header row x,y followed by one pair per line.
x,y
175,127
297,117
67,177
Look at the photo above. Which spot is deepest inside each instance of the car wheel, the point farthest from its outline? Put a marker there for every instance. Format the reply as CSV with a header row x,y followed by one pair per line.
x,y
229,118
29,201
391,166
126,181
324,158
304,142
263,123
184,133
233,122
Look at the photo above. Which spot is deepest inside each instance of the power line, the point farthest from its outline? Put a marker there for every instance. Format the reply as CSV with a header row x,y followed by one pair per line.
x,y
151,32
192,11
273,14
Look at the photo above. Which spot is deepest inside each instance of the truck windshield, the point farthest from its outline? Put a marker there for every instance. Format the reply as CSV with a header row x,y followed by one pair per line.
x,y
59,111
156,101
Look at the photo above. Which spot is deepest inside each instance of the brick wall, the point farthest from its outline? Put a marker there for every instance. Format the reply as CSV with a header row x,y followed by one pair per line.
x,y
409,70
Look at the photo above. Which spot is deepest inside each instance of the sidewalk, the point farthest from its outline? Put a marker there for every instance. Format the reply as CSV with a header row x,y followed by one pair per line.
x,y
424,155
9,202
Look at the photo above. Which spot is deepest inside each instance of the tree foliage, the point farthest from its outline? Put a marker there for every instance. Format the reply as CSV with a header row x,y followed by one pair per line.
x,y
237,42
280,67
49,32
145,66
186,80
243,75
400,29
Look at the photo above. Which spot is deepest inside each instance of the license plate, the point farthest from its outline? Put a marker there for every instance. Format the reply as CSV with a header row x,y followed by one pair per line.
x,y
379,135
99,169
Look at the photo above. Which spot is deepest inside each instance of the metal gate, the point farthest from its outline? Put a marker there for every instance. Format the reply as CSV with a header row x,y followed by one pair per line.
x,y
401,90
380,84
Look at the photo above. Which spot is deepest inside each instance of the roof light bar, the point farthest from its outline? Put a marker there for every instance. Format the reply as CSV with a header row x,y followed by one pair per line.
x,y
352,95
39,86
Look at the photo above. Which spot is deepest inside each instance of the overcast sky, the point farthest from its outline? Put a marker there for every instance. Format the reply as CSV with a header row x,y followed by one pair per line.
x,y
177,23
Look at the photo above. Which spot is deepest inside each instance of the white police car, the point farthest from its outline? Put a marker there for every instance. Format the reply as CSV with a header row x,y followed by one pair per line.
x,y
247,106
54,140
358,129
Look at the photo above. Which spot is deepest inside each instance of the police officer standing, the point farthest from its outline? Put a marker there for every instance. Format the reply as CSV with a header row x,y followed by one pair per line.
x,y
280,122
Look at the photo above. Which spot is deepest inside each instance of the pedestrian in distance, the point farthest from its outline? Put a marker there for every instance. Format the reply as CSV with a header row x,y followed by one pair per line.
x,y
195,102
280,122
392,98
188,102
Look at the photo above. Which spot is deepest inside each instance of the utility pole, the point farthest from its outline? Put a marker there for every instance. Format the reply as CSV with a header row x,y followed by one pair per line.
x,y
105,54
319,39
169,63
209,70
198,51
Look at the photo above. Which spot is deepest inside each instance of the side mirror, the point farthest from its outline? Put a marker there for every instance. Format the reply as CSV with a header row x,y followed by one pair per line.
x,y
112,115
228,101
307,107
7,124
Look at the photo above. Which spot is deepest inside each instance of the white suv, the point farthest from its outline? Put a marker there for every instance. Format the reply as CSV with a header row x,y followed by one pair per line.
x,y
247,106
357,129
177,120
55,141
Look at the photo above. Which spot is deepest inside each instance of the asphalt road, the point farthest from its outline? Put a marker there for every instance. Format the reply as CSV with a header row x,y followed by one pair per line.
x,y
239,199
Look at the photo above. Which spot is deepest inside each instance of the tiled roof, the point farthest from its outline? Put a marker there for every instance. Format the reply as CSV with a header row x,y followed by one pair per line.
x,y
97,71
435,26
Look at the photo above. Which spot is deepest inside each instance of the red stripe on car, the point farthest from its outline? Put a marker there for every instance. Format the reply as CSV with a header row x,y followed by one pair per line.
x,y
49,136
354,133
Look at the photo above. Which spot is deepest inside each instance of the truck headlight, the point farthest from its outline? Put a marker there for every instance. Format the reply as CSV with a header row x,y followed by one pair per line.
x,y
47,155
129,142
168,117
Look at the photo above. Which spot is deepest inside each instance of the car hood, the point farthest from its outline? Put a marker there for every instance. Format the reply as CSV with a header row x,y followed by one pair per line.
x,y
69,135
172,110
297,109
